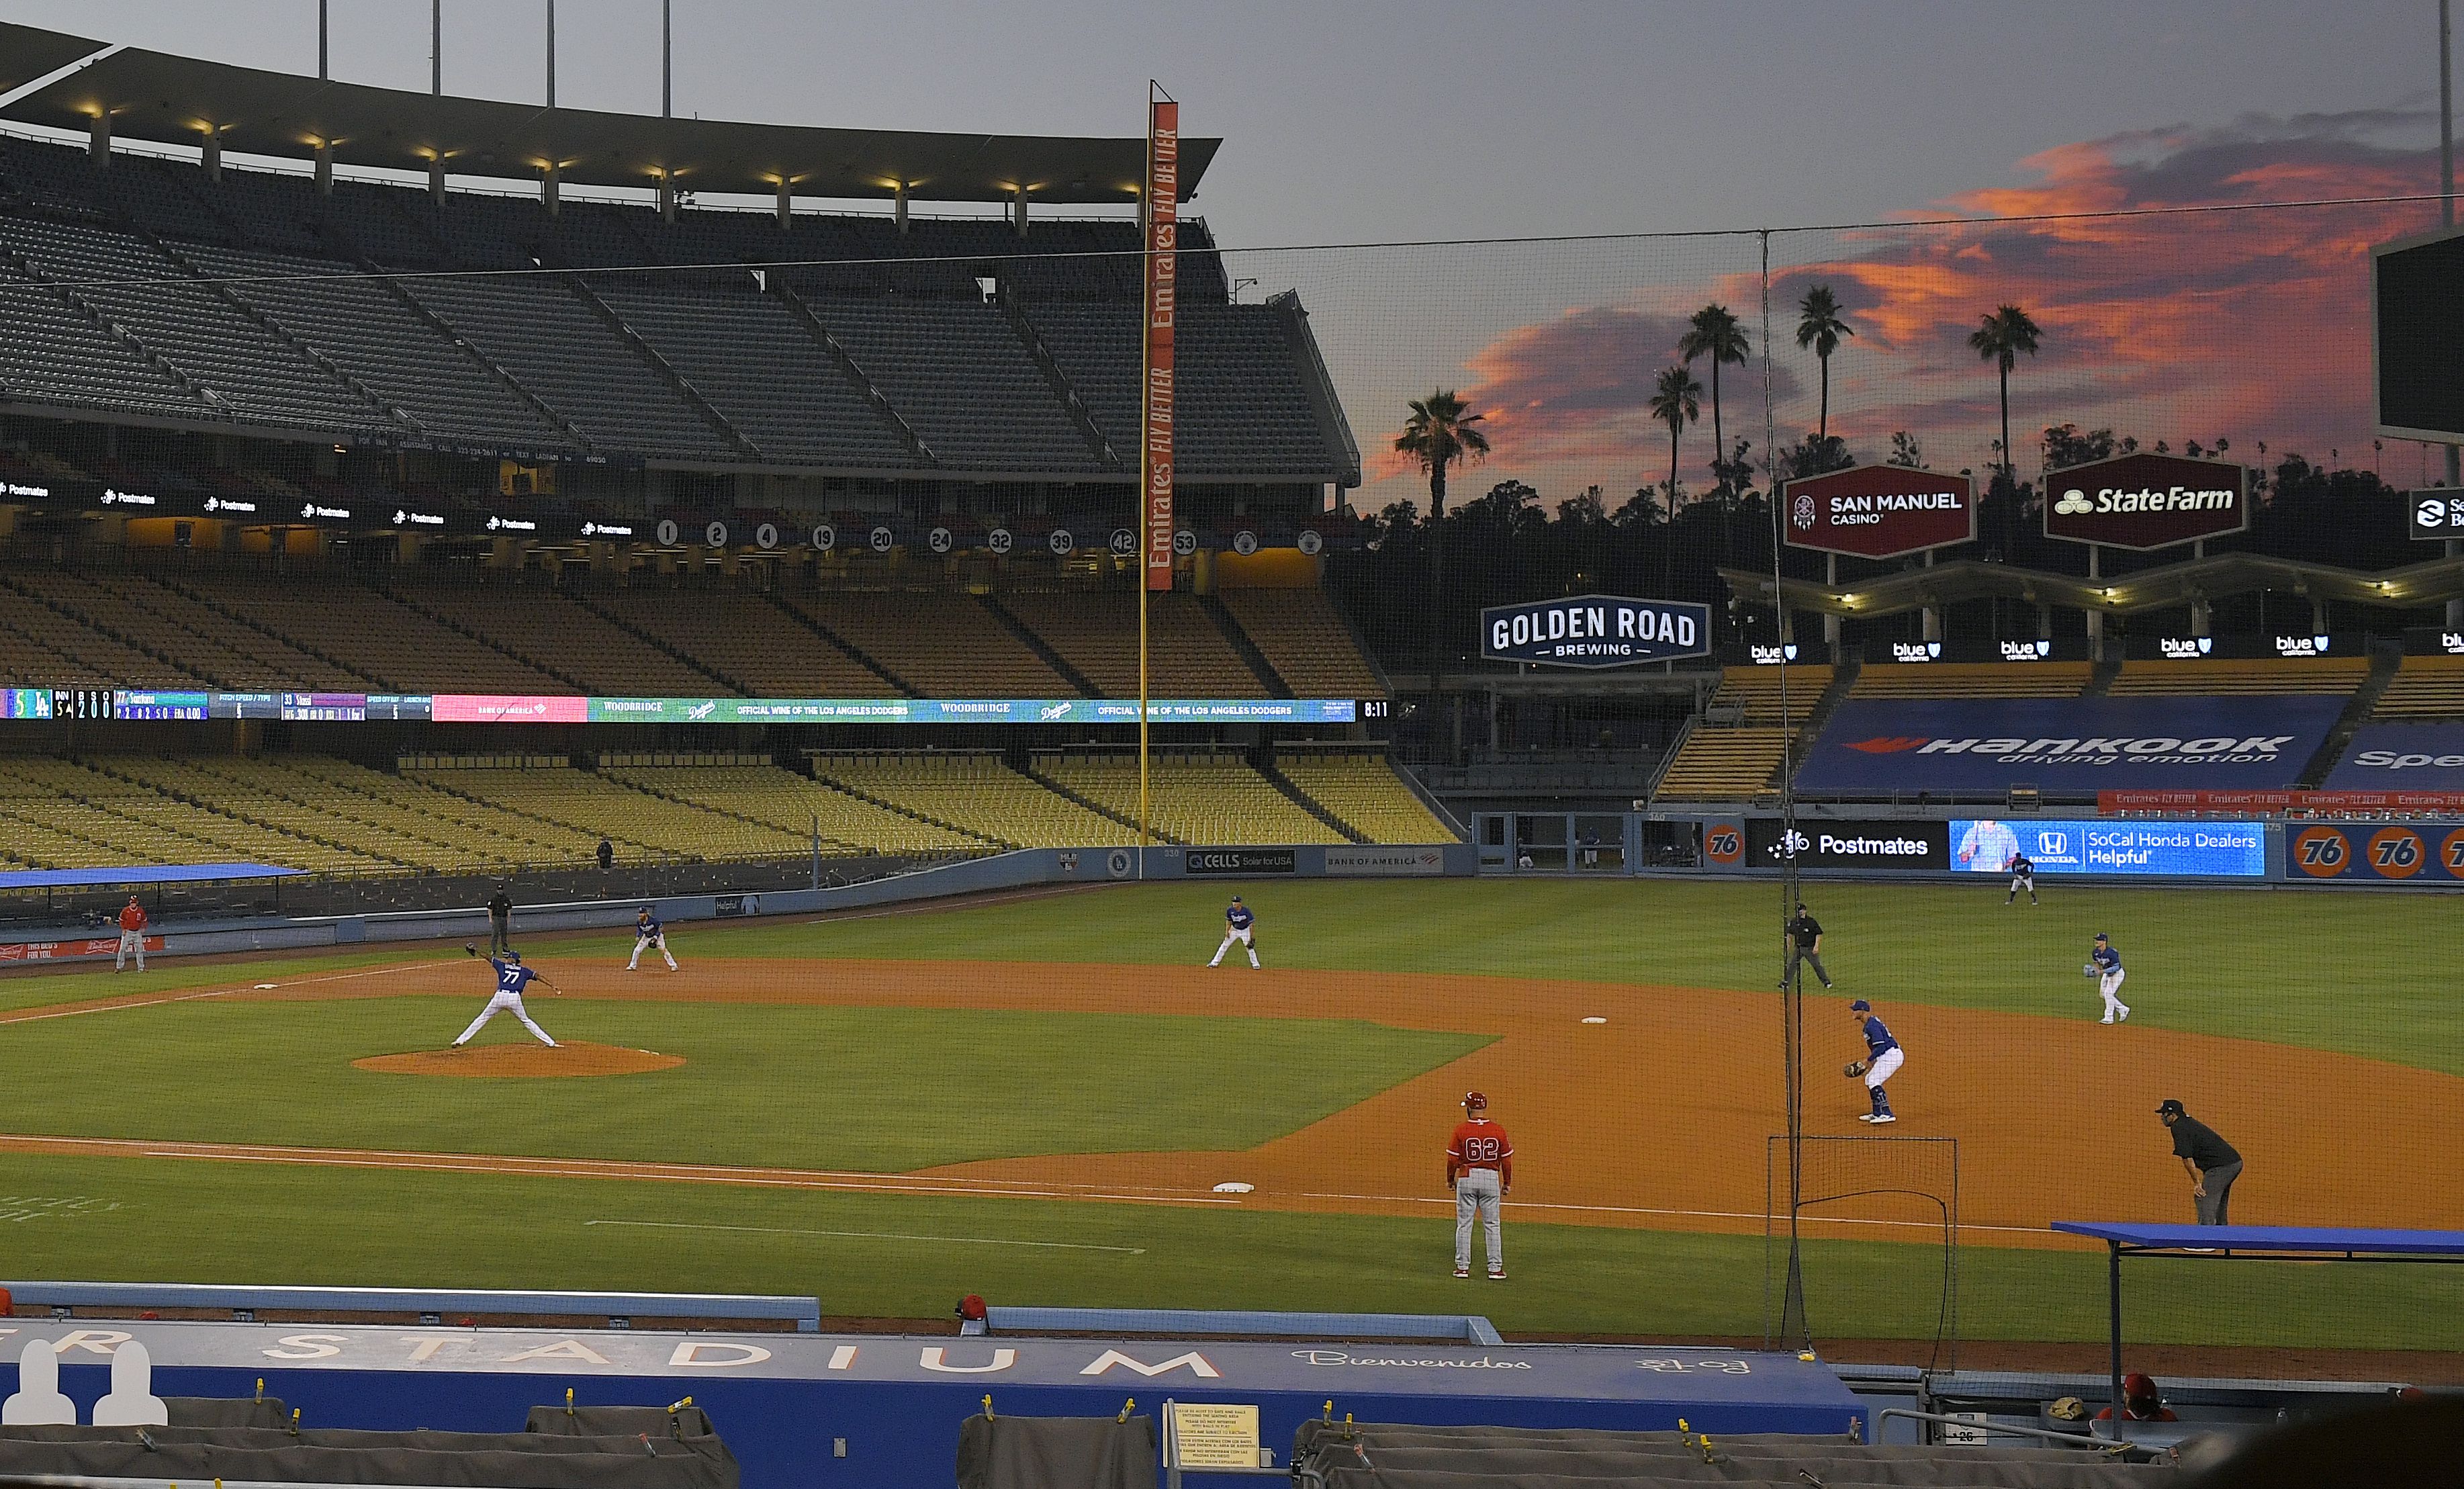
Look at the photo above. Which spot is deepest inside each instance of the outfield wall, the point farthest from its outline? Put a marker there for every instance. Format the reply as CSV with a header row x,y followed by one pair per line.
x,y
845,1410
1025,868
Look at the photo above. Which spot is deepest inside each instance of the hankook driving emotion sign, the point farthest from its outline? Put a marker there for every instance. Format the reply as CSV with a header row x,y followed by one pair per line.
x,y
2147,501
1594,630
1879,512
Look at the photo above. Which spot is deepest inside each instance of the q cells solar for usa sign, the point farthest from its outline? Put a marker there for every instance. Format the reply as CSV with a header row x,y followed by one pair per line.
x,y
1594,630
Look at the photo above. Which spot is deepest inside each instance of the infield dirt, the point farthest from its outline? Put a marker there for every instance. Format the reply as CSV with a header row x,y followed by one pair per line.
x,y
1661,1117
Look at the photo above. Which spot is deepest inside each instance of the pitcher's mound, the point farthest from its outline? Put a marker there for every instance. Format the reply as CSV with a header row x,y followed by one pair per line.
x,y
523,1060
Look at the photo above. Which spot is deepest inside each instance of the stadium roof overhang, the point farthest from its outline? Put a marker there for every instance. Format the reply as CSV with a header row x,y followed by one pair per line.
x,y
2212,577
168,100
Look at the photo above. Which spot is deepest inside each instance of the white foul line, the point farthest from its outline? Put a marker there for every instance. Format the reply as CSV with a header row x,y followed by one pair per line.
x,y
952,1240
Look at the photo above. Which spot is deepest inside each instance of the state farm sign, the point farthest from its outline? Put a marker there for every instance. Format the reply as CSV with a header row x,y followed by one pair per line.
x,y
2147,501
1879,511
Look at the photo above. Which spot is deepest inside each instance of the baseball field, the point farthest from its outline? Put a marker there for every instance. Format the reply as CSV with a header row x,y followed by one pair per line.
x,y
1035,1098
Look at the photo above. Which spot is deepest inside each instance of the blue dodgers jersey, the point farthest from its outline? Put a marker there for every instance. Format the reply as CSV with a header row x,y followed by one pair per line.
x,y
647,928
1878,1039
510,978
2107,957
1239,917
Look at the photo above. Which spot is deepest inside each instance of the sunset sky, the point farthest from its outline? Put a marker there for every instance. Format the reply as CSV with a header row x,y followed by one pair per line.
x,y
1368,121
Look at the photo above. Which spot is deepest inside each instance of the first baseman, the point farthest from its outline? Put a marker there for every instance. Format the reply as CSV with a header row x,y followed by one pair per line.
x,y
511,977
647,933
1883,1059
2104,965
132,935
1239,925
1480,1169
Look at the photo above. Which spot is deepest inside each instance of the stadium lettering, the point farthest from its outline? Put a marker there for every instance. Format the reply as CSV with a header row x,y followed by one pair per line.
x,y
2221,747
2172,498
2392,761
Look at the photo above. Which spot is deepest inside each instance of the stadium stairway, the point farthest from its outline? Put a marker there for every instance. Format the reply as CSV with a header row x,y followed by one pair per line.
x,y
409,599
855,373
522,391
1058,381
30,592
838,781
1043,648
1048,783
303,644
1844,678
1264,760
2100,680
871,663
2358,709
660,643
1221,615
665,369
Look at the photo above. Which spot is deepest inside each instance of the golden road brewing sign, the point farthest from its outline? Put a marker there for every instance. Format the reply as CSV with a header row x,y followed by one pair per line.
x,y
1879,512
1154,418
2147,501
1594,630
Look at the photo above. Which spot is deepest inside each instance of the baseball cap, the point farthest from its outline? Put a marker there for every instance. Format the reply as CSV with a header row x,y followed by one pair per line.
x,y
2102,936
1474,1101
1861,1006
2169,1107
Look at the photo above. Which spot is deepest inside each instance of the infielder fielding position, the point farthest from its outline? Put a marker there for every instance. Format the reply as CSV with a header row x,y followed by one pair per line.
x,y
2023,876
647,933
2104,965
1239,925
511,977
1883,1059
1480,1169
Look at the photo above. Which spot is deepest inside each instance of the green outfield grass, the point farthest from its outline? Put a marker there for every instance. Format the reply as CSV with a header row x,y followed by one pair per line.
x,y
871,1255
874,1089
896,1088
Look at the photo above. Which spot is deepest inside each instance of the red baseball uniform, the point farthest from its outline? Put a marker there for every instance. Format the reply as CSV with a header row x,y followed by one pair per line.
x,y
131,918
1480,1144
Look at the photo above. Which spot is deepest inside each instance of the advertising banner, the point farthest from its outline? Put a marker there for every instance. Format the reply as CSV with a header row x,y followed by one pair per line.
x,y
2222,849
1162,272
2375,852
53,950
2435,515
1896,845
1239,860
107,703
1879,511
2147,501
2405,757
1594,630
2071,745
1384,862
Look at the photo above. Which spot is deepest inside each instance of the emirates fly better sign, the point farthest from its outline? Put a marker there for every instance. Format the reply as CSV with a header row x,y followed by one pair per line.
x,y
2147,501
1594,630
1879,512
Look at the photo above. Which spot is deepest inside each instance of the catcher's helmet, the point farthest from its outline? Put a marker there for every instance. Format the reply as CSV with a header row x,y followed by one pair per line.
x,y
1474,1101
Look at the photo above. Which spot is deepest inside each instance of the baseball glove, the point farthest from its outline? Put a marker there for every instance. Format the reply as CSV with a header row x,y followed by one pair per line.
x,y
469,949
2088,970
1853,1068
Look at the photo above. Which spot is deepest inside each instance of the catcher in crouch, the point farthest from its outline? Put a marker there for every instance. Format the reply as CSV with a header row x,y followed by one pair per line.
x,y
1883,1059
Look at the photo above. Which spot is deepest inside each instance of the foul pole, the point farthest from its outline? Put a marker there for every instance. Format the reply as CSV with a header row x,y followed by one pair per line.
x,y
1159,214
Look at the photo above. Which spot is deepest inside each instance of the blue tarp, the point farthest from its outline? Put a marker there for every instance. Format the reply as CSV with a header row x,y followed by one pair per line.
x,y
1875,746
137,875
2334,1239
2402,758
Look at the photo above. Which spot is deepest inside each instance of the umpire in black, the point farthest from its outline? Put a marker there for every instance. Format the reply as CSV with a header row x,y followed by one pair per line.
x,y
1805,945
2211,1161
500,921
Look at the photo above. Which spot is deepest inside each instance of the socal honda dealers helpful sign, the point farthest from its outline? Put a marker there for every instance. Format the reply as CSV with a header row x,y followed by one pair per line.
x,y
1879,512
2075,745
2147,501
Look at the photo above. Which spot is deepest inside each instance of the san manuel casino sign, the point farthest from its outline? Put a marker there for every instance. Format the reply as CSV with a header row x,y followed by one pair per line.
x,y
1879,512
2147,501
1594,630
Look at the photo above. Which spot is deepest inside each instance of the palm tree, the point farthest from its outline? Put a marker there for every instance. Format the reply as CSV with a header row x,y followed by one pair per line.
x,y
1441,431
1713,331
1820,326
1999,339
1675,400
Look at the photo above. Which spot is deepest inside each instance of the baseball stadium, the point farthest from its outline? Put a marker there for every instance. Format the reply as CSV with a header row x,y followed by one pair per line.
x,y
833,797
